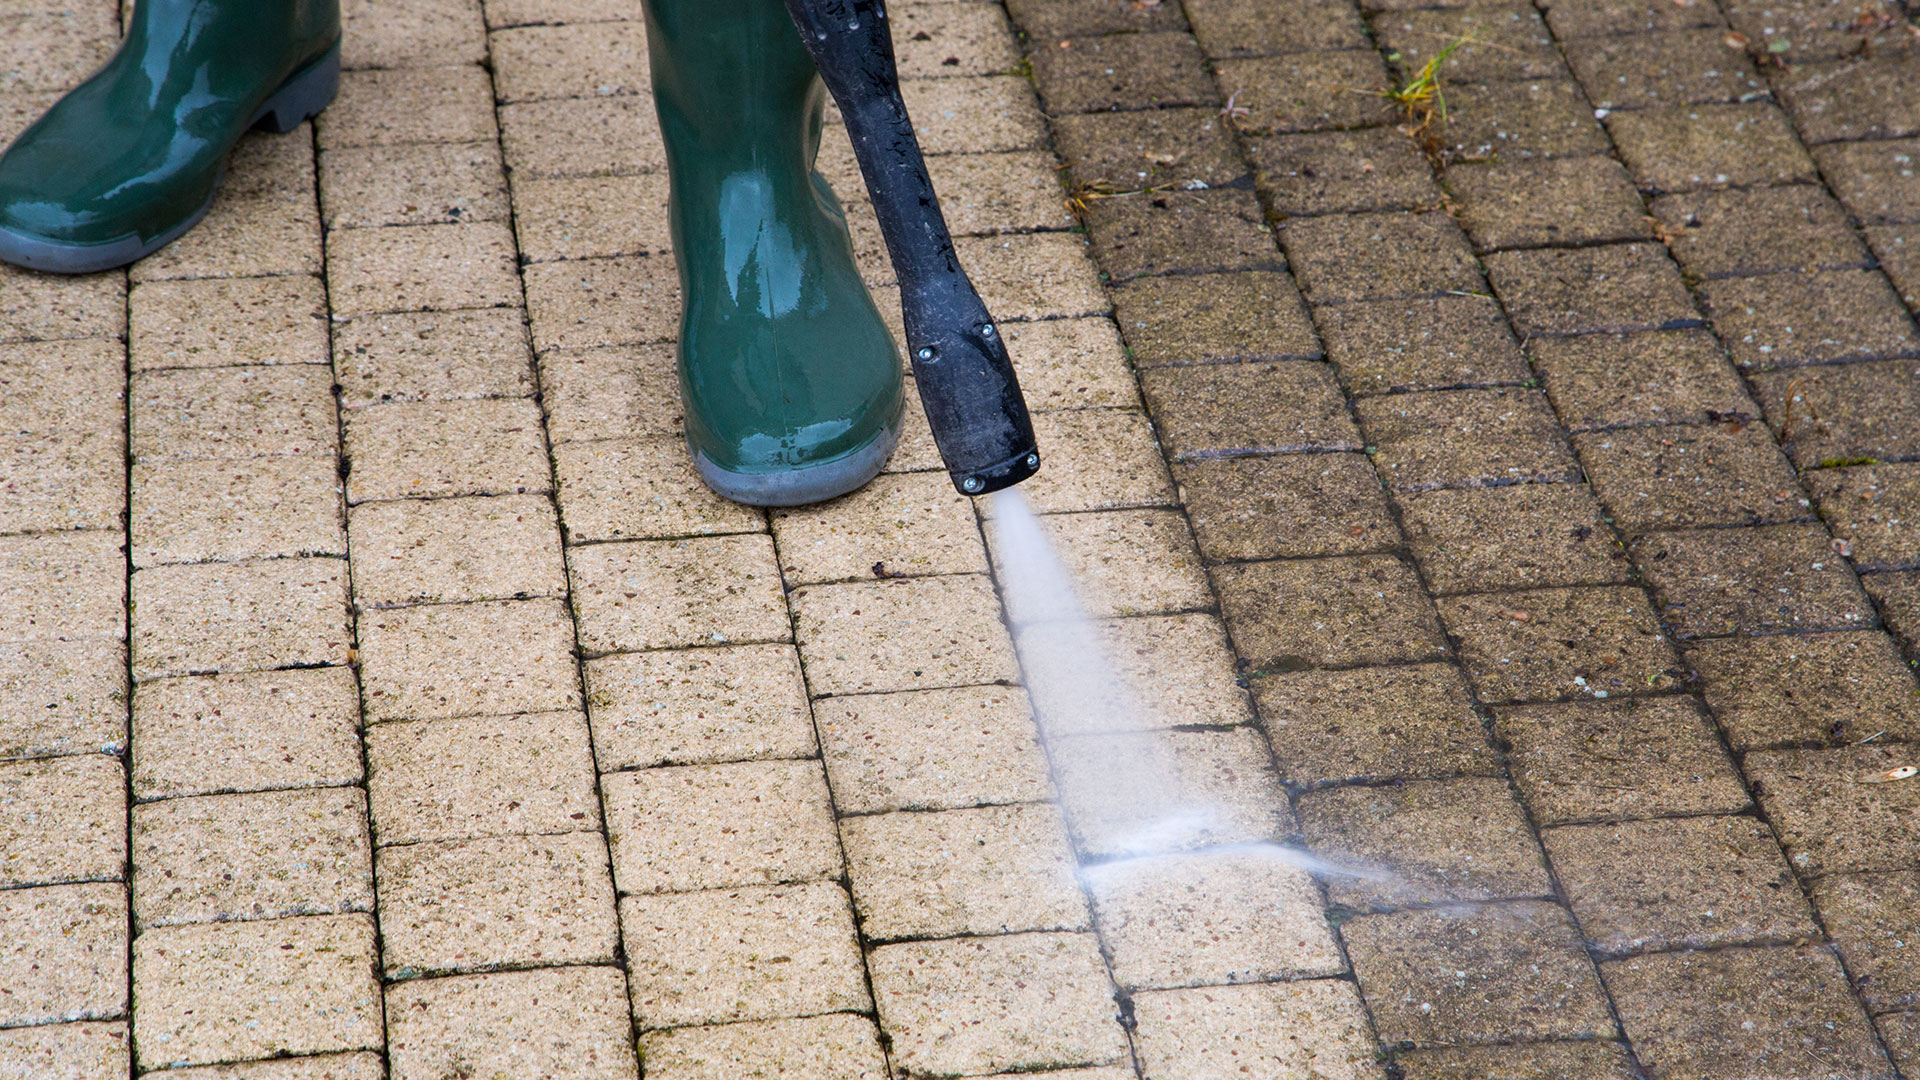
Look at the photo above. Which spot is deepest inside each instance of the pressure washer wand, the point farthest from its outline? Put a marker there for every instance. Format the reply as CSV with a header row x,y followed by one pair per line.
x,y
960,364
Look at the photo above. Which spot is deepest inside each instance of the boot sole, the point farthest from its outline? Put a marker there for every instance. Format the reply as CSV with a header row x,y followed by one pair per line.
x,y
809,484
299,98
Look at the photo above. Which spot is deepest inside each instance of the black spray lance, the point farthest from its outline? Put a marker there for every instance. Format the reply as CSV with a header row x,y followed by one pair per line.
x,y
966,381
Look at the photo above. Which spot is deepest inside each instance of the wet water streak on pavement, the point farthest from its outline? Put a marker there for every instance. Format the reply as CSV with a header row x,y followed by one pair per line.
x,y
1530,503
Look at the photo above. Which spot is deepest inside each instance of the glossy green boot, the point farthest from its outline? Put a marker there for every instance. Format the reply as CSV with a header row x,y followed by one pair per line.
x,y
792,389
130,159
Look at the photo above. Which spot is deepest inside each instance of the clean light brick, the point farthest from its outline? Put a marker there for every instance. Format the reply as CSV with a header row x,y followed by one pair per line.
x,y
468,905
714,826
235,991
63,954
991,870
561,1023
220,858
246,616
686,706
247,732
973,1005
62,819
906,634
481,776
757,953
931,750
467,659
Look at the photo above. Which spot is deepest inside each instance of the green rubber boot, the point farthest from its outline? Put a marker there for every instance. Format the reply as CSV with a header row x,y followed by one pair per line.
x,y
130,159
791,385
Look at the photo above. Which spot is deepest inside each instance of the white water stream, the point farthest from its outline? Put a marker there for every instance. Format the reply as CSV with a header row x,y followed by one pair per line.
x,y
1115,758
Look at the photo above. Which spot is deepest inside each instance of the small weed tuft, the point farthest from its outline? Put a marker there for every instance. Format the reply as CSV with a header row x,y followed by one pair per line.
x,y
1422,98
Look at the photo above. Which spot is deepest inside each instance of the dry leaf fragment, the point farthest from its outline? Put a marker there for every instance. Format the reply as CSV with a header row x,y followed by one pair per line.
x,y
1736,40
1903,772
1518,616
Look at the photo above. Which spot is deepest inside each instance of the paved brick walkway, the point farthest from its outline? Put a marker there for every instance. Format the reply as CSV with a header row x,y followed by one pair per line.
x,y
1530,504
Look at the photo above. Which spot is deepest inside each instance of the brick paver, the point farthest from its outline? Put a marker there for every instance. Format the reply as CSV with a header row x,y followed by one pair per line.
x,y
1524,504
